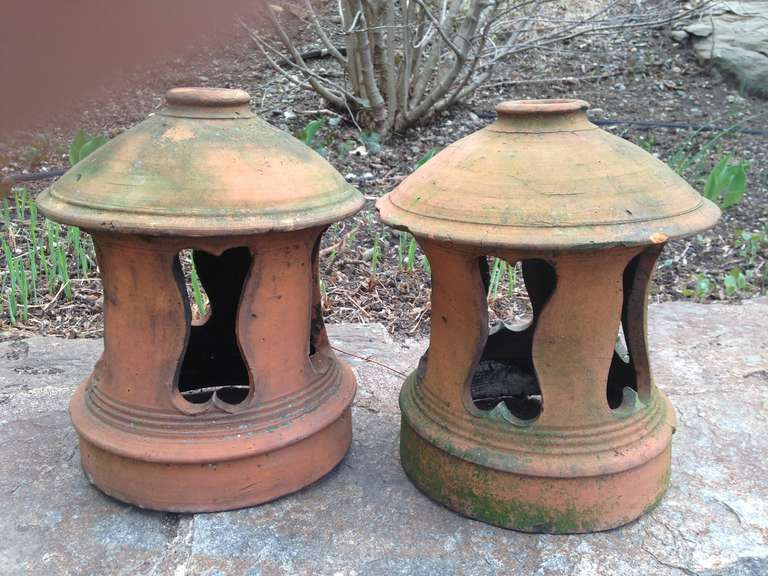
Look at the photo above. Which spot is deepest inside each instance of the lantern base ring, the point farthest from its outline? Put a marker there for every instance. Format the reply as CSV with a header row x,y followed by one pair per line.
x,y
246,468
532,492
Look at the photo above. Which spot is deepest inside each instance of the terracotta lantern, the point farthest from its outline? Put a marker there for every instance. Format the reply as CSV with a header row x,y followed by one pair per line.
x,y
556,425
248,403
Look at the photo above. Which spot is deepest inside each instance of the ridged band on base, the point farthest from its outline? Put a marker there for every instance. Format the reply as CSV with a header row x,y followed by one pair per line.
x,y
269,470
524,500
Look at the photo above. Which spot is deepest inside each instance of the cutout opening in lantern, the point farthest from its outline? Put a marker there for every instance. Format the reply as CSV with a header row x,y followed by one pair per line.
x,y
505,373
213,362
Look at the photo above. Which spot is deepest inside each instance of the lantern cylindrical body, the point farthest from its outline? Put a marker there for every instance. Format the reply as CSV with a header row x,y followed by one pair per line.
x,y
248,402
554,425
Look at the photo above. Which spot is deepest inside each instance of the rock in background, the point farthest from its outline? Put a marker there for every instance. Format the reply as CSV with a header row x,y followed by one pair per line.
x,y
733,35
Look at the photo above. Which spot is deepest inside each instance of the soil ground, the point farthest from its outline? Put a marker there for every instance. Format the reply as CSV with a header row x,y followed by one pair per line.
x,y
629,75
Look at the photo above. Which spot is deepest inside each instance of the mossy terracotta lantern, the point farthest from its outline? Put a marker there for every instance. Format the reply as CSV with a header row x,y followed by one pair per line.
x,y
555,426
249,403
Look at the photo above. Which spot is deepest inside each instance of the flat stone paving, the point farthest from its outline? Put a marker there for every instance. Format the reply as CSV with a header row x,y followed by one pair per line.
x,y
365,518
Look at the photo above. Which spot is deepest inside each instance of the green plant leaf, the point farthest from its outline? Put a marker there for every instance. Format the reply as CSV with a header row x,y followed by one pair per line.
x,y
344,147
702,286
372,141
737,278
726,183
714,179
307,134
313,127
91,145
82,145
75,146
735,185
426,158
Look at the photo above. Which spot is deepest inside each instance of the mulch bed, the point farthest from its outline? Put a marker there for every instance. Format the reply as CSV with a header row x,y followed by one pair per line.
x,y
631,75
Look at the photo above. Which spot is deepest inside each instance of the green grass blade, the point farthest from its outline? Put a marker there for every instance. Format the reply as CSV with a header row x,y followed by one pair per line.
x,y
496,271
511,278
425,265
412,254
375,255
197,291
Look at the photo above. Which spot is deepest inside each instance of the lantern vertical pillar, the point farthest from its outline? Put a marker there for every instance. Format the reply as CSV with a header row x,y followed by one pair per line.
x,y
574,340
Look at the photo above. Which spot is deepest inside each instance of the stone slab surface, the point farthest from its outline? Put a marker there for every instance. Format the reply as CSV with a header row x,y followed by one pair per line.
x,y
365,518
734,36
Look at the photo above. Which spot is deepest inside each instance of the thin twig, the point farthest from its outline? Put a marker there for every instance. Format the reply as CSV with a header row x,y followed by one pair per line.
x,y
570,79
56,296
340,243
370,361
409,59
323,36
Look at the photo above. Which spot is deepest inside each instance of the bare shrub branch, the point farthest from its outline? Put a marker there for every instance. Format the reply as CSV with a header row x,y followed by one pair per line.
x,y
403,60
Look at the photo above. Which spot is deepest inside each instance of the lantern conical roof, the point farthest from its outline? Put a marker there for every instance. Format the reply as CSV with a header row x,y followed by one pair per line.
x,y
543,177
203,165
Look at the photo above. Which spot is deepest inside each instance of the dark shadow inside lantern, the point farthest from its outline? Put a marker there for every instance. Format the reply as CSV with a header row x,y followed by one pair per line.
x,y
623,385
213,362
622,372
320,356
505,373
317,335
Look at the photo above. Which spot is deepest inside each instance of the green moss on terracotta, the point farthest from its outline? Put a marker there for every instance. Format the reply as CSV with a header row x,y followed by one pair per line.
x,y
469,498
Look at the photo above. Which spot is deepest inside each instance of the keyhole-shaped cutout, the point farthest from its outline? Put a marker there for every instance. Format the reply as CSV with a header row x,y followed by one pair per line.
x,y
504,381
213,363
